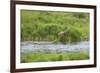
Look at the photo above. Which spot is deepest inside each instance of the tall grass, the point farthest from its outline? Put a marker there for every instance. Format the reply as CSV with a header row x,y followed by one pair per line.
x,y
45,26
42,57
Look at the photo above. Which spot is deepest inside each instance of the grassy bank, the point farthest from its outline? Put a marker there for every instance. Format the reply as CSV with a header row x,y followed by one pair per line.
x,y
41,57
45,26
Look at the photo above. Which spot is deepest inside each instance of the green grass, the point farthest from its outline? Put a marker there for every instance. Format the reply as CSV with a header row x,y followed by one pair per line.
x,y
41,57
45,26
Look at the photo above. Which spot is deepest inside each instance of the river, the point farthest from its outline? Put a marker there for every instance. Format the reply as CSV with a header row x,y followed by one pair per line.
x,y
48,47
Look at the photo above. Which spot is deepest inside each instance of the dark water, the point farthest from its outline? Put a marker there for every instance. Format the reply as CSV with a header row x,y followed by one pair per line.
x,y
48,47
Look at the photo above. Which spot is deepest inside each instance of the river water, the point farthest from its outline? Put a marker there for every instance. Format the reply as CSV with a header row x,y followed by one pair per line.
x,y
48,47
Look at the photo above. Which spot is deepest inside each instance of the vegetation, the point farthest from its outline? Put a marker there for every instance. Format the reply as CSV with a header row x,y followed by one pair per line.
x,y
45,26
41,57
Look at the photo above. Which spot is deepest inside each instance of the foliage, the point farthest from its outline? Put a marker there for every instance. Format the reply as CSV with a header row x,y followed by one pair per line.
x,y
45,26
42,57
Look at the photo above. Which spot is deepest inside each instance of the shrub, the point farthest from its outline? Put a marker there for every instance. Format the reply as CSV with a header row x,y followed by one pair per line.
x,y
45,26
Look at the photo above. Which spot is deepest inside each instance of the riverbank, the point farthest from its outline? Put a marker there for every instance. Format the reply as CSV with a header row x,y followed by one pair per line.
x,y
46,51
42,57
